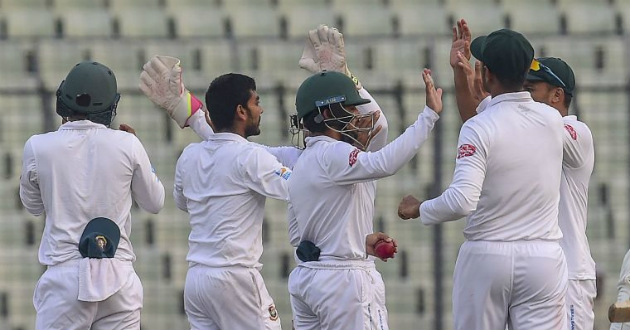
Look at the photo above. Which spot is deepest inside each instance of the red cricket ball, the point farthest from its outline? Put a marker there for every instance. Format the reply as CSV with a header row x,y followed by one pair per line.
x,y
385,250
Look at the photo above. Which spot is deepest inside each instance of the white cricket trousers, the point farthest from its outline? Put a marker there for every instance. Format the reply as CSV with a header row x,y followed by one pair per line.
x,y
335,295
228,298
58,308
520,284
580,302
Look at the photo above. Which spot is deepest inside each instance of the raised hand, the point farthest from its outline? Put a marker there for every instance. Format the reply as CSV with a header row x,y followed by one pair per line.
x,y
325,50
461,42
161,81
433,95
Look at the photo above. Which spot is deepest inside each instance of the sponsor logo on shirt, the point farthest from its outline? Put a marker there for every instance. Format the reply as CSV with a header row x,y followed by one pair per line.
x,y
571,131
273,313
466,150
352,159
284,173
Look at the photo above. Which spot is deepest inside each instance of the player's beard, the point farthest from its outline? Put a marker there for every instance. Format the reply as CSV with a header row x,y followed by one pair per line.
x,y
252,128
350,137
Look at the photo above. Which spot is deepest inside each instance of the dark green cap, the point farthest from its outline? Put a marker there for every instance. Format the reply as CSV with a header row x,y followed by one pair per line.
x,y
99,239
506,53
324,88
558,73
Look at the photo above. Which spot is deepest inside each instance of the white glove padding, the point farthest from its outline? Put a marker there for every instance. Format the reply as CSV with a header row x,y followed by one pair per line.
x,y
325,50
161,81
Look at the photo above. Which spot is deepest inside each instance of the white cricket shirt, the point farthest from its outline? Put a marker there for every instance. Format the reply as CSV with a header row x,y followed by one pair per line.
x,y
82,171
332,189
577,167
507,173
222,183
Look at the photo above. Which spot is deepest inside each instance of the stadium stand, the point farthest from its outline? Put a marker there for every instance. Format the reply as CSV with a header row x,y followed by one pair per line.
x,y
154,23
533,20
119,6
79,4
435,20
30,22
300,17
187,22
388,43
85,23
485,17
17,65
12,4
590,18
251,20
353,23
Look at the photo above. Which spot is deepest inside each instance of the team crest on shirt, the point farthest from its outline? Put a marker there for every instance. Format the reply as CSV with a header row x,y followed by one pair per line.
x,y
273,313
466,150
283,172
352,159
571,131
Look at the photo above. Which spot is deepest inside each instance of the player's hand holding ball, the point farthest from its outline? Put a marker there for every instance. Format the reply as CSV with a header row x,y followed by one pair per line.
x,y
381,246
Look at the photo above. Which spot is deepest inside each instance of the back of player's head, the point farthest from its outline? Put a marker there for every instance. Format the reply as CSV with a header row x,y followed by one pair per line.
x,y
325,89
89,90
224,95
507,54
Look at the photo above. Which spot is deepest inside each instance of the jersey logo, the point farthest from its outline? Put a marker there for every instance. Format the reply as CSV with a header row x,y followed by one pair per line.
x,y
352,159
273,313
571,131
466,150
284,173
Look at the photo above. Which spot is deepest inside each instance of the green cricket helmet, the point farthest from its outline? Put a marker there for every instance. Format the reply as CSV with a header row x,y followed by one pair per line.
x,y
325,88
90,89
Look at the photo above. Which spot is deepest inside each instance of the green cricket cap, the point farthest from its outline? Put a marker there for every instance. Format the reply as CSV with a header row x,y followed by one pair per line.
x,y
558,73
506,53
99,239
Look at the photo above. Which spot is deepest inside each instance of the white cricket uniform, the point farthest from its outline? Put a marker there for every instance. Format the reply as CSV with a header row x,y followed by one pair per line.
x,y
577,166
511,270
82,171
223,183
331,196
623,289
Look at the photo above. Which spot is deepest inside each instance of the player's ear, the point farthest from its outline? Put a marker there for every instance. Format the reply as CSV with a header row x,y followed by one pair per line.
x,y
241,112
558,94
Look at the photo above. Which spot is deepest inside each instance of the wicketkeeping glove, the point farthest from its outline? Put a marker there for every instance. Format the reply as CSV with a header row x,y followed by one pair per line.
x,y
161,81
325,50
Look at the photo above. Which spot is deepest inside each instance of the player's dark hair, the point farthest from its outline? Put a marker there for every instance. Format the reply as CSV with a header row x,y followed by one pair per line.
x,y
513,80
311,124
224,95
567,99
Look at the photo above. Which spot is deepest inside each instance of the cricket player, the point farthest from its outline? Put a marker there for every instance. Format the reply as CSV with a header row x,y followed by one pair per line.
x,y
85,171
331,196
623,290
511,270
223,183
551,81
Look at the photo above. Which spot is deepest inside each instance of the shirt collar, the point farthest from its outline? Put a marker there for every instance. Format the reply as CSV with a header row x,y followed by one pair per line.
x,y
226,136
80,124
314,139
511,97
